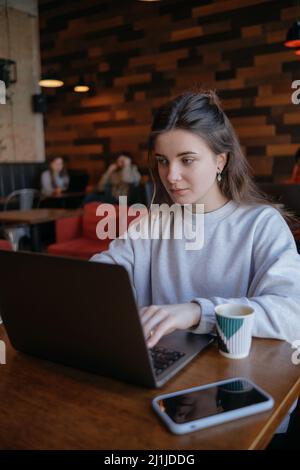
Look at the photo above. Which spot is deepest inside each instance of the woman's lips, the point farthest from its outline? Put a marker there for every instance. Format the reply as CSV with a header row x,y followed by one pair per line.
x,y
179,191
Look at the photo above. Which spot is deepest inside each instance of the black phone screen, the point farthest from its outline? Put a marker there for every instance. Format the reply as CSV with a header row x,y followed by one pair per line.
x,y
213,400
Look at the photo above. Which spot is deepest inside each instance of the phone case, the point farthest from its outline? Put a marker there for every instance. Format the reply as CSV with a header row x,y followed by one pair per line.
x,y
209,421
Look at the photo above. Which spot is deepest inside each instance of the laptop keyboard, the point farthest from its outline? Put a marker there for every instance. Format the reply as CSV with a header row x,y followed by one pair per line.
x,y
163,358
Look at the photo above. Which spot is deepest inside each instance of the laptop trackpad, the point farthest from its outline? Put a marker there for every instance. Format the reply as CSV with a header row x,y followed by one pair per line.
x,y
185,342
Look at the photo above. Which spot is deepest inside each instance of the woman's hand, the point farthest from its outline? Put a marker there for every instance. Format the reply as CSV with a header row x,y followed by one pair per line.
x,y
160,320
57,191
112,167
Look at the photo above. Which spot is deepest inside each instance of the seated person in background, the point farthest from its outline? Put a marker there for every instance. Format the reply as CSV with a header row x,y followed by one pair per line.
x,y
295,178
116,180
55,179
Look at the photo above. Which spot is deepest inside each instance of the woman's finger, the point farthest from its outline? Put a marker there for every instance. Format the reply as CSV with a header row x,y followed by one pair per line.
x,y
152,323
164,328
148,313
142,310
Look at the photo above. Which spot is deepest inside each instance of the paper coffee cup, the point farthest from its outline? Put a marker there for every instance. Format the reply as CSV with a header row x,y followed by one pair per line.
x,y
234,329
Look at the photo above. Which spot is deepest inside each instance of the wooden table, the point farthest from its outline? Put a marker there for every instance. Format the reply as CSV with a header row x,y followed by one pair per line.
x,y
66,195
48,406
34,217
63,200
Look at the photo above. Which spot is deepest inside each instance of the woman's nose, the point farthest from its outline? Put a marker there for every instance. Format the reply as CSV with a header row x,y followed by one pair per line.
x,y
173,174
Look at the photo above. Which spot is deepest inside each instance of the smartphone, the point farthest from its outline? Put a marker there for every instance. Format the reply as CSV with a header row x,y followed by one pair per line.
x,y
208,405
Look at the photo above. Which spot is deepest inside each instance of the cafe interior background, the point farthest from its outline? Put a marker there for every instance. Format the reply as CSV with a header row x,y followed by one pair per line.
x,y
134,55
130,57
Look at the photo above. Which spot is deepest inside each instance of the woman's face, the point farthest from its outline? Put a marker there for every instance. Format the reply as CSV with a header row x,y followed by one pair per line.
x,y
122,161
188,169
57,165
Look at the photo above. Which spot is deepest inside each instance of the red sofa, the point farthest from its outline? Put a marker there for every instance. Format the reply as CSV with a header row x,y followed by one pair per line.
x,y
5,245
77,237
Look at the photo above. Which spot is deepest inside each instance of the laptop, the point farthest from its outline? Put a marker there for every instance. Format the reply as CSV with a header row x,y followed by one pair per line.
x,y
83,314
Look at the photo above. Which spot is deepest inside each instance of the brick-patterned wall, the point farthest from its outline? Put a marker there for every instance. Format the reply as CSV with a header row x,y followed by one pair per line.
x,y
139,54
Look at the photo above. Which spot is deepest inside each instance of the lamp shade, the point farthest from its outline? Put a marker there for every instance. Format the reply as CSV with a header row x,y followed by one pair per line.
x,y
81,86
293,35
50,80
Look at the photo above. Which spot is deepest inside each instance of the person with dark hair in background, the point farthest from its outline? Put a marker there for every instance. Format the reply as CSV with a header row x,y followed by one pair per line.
x,y
116,181
120,175
55,180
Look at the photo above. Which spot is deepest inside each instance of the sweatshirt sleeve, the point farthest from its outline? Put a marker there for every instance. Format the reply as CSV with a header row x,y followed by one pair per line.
x,y
133,253
120,252
274,290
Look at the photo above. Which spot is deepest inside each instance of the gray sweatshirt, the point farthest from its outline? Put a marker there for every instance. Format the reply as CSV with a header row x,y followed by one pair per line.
x,y
248,256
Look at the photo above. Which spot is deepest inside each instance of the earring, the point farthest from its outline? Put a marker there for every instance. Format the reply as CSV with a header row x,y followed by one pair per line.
x,y
219,177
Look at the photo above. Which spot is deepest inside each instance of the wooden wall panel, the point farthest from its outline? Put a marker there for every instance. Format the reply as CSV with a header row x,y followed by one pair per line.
x,y
138,55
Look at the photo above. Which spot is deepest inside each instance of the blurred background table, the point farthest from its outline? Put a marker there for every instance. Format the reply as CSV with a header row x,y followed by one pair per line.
x,y
33,218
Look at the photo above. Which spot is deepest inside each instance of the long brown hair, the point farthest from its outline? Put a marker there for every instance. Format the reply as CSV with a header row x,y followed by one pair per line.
x,y
201,114
62,173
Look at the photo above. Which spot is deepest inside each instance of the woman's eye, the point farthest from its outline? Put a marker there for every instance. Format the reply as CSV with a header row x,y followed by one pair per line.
x,y
162,161
188,161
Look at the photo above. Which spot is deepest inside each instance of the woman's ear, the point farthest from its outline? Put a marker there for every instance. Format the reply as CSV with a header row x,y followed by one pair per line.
x,y
221,161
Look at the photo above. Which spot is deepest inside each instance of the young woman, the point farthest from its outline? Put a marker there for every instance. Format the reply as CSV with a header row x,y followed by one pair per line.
x,y
116,181
55,179
119,176
248,255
